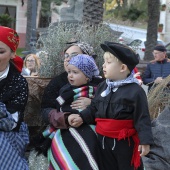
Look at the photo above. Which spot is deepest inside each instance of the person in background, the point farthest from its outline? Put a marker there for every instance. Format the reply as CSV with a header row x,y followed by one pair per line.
x,y
31,65
48,105
120,110
13,98
157,69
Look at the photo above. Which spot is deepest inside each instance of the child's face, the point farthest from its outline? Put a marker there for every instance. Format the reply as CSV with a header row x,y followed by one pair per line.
x,y
75,76
112,67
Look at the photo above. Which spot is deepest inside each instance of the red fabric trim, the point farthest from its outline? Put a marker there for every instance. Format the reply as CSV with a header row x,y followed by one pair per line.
x,y
120,129
135,71
18,62
9,37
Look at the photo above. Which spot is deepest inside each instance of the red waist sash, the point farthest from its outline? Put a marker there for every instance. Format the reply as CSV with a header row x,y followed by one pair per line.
x,y
120,129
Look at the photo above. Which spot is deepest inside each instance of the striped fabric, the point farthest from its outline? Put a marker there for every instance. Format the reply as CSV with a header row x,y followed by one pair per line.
x,y
12,149
6,120
86,91
12,144
74,149
49,132
73,94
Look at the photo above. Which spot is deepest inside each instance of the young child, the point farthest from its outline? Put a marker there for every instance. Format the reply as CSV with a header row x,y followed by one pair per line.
x,y
70,148
120,110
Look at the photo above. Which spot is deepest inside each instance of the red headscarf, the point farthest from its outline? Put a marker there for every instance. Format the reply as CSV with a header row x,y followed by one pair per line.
x,y
18,62
9,37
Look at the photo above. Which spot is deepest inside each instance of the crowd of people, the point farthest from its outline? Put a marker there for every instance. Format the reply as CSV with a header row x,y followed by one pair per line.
x,y
92,122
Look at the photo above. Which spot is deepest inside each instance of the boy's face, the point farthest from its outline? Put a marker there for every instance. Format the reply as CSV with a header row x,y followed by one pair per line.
x,y
112,68
75,76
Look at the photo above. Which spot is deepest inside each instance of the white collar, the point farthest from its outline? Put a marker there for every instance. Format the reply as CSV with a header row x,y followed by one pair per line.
x,y
4,73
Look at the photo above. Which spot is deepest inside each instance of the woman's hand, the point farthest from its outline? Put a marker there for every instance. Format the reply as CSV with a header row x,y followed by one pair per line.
x,y
81,103
35,74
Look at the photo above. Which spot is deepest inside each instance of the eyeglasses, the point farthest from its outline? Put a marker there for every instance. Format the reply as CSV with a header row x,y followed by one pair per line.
x,y
70,55
30,61
156,53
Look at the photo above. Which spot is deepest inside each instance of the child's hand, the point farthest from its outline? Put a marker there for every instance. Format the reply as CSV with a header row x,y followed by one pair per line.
x,y
144,149
75,120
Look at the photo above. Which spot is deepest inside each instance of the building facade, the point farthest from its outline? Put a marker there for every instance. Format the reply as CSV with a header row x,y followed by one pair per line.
x,y
17,9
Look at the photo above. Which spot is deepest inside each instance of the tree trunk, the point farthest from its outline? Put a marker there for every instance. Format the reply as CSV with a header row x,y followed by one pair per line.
x,y
29,21
152,29
93,11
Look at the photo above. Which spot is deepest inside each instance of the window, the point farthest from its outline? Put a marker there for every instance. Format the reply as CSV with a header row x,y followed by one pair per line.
x,y
11,11
136,43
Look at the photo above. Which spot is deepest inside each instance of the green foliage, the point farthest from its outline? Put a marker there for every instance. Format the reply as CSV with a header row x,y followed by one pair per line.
x,y
109,1
135,12
6,20
160,25
45,8
109,14
163,7
57,2
53,42
19,51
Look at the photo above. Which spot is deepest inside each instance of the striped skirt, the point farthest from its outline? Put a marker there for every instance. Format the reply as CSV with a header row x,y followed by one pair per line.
x,y
74,149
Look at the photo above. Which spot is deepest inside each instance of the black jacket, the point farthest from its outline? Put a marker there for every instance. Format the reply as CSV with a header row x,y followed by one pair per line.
x,y
52,92
154,70
128,102
14,92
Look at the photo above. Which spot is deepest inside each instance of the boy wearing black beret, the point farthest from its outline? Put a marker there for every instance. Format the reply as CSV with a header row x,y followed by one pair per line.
x,y
120,110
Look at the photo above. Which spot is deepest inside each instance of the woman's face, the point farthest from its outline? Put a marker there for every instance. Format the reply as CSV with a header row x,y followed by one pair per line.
x,y
5,56
70,52
30,63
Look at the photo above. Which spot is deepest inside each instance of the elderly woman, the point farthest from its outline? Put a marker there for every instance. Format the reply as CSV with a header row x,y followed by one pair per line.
x,y
13,99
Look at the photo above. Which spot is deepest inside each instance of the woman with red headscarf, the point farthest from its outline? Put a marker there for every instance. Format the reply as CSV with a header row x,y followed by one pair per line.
x,y
13,99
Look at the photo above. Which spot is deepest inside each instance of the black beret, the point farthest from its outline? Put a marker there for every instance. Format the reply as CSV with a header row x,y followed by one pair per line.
x,y
125,54
160,48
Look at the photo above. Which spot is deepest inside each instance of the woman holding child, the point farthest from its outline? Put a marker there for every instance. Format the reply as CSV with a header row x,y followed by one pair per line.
x,y
71,92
